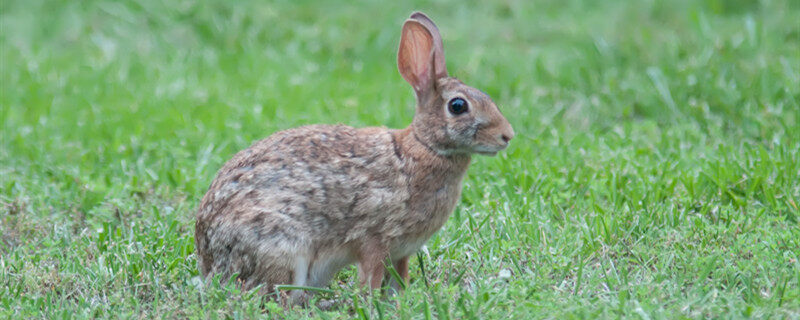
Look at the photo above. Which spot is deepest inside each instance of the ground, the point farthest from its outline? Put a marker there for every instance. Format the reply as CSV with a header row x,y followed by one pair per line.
x,y
655,172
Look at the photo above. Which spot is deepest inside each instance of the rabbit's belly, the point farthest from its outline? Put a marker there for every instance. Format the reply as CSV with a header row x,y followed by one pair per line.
x,y
406,247
326,265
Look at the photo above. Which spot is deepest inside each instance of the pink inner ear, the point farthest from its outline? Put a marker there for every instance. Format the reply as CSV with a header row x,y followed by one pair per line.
x,y
438,47
414,58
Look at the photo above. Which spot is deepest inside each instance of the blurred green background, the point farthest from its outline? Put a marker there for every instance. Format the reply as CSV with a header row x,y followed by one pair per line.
x,y
655,173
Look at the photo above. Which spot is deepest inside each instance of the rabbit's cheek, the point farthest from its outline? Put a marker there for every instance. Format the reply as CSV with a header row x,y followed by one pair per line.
x,y
462,132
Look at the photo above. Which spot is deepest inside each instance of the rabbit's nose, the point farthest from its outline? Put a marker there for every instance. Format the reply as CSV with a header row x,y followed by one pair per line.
x,y
507,135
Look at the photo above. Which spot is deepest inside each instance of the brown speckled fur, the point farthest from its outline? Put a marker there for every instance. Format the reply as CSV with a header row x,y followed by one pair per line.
x,y
298,206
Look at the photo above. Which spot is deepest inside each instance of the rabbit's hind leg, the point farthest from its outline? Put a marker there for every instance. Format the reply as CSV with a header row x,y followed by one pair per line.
x,y
300,279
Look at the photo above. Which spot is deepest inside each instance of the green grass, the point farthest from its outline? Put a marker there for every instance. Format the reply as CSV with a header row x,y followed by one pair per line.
x,y
655,173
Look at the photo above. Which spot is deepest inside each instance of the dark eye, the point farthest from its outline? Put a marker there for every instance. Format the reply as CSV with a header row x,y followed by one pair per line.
x,y
457,106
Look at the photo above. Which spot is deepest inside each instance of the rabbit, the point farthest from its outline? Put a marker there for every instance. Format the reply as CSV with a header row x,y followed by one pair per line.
x,y
303,203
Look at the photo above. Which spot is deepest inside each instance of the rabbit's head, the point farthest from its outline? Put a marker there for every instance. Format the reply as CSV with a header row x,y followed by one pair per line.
x,y
451,117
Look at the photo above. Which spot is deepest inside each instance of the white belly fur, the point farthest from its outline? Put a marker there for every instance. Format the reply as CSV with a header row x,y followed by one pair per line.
x,y
406,248
326,265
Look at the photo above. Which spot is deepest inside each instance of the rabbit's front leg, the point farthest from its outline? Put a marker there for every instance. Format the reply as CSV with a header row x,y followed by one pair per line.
x,y
370,265
401,266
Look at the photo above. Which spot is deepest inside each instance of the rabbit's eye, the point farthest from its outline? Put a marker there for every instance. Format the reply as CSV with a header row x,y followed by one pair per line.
x,y
457,106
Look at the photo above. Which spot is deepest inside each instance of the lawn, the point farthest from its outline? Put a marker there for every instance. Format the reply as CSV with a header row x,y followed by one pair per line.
x,y
655,172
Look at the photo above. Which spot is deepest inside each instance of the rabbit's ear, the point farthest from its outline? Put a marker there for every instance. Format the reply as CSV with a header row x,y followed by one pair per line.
x,y
440,69
417,55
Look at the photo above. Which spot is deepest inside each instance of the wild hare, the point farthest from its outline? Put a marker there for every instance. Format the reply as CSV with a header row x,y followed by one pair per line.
x,y
300,205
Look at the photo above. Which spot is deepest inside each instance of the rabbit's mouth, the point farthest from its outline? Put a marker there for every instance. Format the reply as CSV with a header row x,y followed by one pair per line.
x,y
489,150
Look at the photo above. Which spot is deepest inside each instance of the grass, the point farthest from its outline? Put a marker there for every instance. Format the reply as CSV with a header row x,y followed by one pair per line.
x,y
655,173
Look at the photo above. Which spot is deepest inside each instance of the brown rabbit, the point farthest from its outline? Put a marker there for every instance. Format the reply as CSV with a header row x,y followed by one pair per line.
x,y
300,205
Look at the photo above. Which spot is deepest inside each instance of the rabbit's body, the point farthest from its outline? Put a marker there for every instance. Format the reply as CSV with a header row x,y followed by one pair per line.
x,y
298,206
